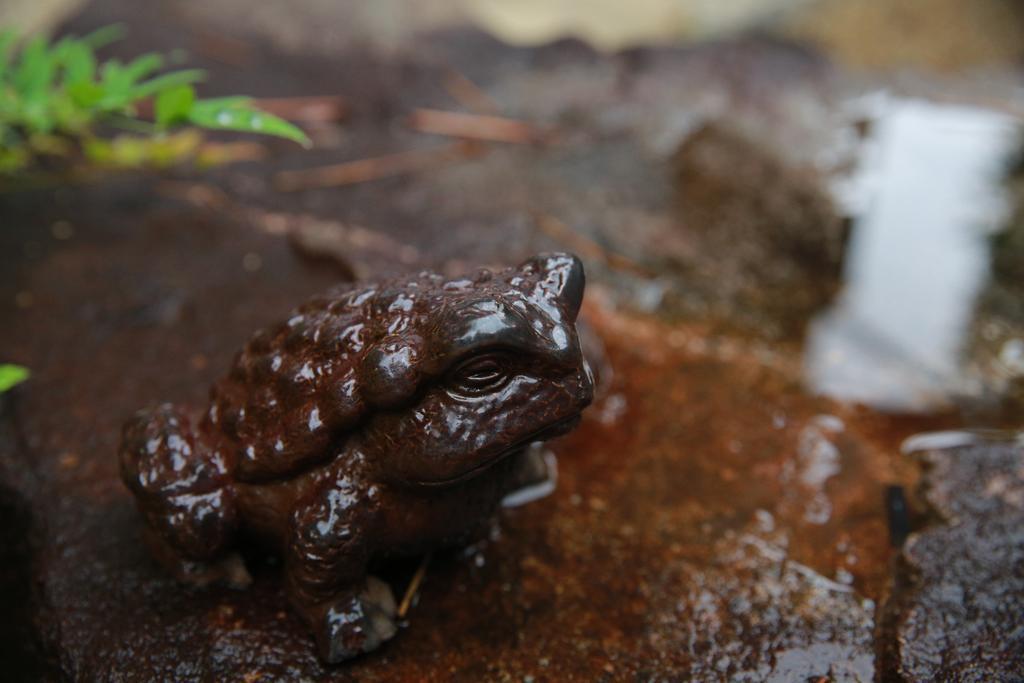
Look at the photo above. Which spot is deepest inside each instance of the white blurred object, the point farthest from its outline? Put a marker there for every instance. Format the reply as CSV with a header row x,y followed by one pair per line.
x,y
928,197
612,24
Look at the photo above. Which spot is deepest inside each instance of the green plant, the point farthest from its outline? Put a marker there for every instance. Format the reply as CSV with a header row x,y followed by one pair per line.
x,y
10,375
54,96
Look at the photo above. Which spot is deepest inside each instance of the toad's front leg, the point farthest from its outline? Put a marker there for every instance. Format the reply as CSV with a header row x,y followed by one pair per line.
x,y
349,612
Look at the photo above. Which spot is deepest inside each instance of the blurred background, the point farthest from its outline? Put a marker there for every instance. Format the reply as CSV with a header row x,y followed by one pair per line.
x,y
929,34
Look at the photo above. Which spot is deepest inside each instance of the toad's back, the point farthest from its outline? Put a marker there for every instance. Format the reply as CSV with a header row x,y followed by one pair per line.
x,y
294,391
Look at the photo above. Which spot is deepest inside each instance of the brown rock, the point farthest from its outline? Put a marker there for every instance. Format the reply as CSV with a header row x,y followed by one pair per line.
x,y
768,241
958,604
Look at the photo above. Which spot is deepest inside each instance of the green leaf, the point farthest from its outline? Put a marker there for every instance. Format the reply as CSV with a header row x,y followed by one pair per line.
x,y
32,80
79,63
226,102
97,150
59,92
85,94
143,66
117,85
120,87
173,105
68,117
12,160
11,375
103,36
7,38
35,70
165,82
242,117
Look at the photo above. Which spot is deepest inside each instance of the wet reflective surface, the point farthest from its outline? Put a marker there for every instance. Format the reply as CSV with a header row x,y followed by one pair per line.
x,y
928,196
964,575
722,511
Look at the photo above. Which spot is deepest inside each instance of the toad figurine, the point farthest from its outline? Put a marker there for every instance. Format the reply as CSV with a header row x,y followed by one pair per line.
x,y
379,420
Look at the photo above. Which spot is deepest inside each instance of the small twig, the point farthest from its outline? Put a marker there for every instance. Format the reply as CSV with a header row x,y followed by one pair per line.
x,y
414,585
375,168
468,94
558,230
475,126
198,194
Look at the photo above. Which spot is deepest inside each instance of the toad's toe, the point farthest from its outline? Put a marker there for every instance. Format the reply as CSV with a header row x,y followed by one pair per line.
x,y
379,607
360,624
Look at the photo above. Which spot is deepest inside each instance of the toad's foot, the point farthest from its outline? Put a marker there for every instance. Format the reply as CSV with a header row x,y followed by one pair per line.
x,y
535,476
228,569
354,625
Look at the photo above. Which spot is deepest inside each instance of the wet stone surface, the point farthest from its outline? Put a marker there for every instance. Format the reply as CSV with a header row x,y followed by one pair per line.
x,y
757,616
957,616
713,517
644,560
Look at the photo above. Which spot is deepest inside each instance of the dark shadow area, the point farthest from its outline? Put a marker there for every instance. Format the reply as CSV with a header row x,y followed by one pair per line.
x,y
21,654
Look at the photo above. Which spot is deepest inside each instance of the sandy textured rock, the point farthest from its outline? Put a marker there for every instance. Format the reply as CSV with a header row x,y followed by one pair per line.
x,y
958,610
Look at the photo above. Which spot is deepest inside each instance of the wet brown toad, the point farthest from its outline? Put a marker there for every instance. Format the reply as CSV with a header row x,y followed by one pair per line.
x,y
380,419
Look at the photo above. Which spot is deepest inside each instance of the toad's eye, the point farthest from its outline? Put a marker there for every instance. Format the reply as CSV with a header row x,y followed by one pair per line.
x,y
480,374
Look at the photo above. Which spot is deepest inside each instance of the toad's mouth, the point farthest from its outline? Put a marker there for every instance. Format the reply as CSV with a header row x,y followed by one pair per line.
x,y
563,426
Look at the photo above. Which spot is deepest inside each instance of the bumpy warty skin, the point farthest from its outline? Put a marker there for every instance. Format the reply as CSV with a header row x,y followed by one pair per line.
x,y
378,419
